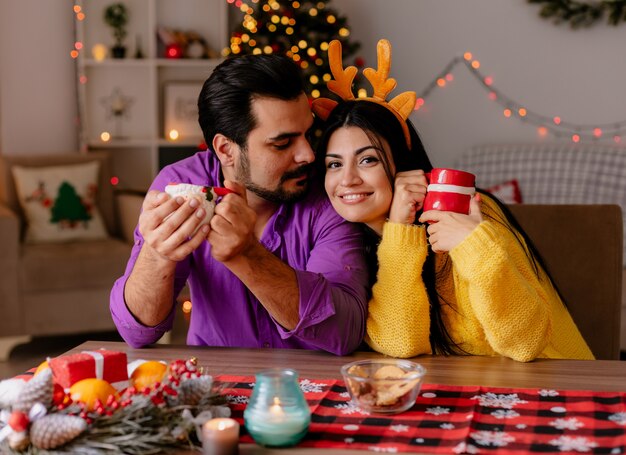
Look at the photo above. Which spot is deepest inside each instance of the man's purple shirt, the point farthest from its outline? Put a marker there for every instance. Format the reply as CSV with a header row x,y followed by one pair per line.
x,y
325,251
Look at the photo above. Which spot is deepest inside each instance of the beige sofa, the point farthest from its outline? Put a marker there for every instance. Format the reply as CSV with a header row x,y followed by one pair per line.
x,y
57,288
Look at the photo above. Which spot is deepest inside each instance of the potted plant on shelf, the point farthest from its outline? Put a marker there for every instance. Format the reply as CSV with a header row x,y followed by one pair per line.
x,y
116,16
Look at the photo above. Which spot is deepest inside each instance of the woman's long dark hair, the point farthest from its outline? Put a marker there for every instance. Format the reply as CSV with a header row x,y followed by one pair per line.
x,y
379,123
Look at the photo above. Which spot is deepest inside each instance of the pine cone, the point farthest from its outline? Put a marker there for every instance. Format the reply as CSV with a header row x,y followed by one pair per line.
x,y
192,390
38,390
54,430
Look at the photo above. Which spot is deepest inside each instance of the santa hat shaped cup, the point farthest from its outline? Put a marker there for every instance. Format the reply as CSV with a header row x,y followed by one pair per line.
x,y
449,190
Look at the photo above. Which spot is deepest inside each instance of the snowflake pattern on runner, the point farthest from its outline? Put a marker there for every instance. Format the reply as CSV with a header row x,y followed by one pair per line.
x,y
344,394
548,393
437,410
502,414
567,424
399,428
619,418
237,399
578,444
492,438
311,387
350,408
465,448
495,400
383,449
447,426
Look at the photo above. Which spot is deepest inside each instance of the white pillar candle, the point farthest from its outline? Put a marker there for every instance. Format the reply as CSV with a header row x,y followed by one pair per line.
x,y
220,437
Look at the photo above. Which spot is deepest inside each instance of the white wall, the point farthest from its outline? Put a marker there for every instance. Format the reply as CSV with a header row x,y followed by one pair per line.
x,y
554,70
37,94
577,74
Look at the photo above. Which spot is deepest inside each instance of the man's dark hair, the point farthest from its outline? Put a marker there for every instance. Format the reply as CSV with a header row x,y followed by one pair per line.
x,y
225,102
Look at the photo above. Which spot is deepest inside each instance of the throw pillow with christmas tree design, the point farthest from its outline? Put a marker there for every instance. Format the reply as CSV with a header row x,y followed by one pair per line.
x,y
59,202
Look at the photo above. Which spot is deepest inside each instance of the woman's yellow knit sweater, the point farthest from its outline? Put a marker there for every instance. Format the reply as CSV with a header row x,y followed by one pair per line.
x,y
492,301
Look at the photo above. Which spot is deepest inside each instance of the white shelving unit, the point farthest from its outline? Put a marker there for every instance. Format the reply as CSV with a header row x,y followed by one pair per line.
x,y
138,140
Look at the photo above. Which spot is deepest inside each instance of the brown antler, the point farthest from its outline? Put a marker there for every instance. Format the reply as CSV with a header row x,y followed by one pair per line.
x,y
382,84
401,106
342,85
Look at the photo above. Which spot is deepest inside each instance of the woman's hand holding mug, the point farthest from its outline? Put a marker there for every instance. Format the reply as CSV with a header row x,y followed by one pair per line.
x,y
448,229
451,207
408,196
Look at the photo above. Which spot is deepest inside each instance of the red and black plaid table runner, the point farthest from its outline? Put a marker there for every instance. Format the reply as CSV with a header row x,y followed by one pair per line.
x,y
459,419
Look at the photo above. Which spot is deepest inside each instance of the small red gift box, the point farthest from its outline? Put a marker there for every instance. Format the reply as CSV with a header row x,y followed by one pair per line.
x,y
101,364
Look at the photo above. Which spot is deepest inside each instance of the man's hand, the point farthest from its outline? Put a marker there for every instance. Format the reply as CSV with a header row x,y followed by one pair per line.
x,y
448,229
166,225
408,197
232,225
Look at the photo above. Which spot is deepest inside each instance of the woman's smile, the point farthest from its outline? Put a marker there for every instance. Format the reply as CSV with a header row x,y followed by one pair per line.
x,y
354,198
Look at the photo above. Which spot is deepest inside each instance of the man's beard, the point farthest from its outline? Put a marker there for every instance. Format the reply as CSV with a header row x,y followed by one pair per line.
x,y
278,195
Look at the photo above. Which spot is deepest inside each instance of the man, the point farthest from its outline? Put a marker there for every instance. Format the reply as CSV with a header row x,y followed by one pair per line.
x,y
276,266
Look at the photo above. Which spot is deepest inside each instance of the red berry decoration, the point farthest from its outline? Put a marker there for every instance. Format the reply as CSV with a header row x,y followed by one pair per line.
x,y
59,397
18,421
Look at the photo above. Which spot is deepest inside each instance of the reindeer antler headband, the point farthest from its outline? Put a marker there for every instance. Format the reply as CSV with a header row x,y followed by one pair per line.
x,y
402,105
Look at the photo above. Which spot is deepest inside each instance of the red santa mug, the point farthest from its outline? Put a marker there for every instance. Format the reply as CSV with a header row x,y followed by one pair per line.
x,y
449,190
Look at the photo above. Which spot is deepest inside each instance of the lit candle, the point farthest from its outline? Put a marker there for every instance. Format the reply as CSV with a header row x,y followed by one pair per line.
x,y
276,411
277,414
220,437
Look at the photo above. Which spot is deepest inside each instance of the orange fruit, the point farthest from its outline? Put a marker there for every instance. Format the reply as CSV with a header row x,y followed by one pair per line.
x,y
89,390
147,374
42,366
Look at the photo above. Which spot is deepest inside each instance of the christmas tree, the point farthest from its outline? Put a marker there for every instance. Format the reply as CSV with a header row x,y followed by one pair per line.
x,y
300,29
68,207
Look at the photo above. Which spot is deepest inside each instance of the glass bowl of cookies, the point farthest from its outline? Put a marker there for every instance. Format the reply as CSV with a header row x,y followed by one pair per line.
x,y
386,386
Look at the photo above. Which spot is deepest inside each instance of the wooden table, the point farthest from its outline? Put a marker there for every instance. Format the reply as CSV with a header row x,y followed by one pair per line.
x,y
608,375
599,375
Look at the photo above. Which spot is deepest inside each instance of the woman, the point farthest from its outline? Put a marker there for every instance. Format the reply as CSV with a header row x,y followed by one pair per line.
x,y
446,283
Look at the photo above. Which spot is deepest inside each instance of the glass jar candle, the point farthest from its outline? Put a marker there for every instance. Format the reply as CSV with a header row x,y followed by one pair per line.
x,y
277,414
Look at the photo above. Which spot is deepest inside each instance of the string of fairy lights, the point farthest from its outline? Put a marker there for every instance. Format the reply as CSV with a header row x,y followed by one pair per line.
x,y
554,125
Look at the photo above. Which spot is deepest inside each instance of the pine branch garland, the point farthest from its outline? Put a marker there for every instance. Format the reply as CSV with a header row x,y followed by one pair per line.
x,y
140,428
144,428
159,419
582,14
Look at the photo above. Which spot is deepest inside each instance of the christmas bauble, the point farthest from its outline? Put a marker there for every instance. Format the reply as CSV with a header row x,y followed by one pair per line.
x,y
88,391
147,374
